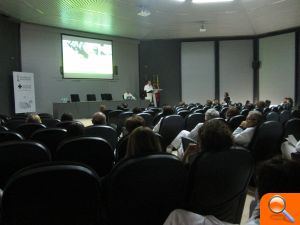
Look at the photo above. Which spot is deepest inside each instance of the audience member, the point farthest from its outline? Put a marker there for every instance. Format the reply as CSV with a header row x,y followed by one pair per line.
x,y
142,141
128,96
260,105
231,112
267,103
137,110
213,136
227,98
288,103
274,176
66,117
102,108
33,118
167,110
209,103
244,133
99,118
75,129
133,122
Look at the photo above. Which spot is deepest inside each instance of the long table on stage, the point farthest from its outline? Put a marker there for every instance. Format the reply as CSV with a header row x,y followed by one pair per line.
x,y
87,109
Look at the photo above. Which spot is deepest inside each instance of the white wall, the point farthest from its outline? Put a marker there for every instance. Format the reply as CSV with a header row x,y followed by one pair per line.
x,y
41,54
236,73
277,72
197,71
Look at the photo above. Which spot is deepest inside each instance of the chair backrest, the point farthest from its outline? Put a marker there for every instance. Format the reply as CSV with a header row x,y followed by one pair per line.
x,y
157,118
223,112
266,140
148,118
235,121
12,124
17,155
199,111
52,194
65,124
106,96
91,97
144,190
106,132
170,127
193,119
295,114
121,148
272,116
10,136
50,137
184,113
121,120
75,98
266,111
284,116
292,126
112,116
28,129
245,112
186,142
217,184
92,151
51,123
3,128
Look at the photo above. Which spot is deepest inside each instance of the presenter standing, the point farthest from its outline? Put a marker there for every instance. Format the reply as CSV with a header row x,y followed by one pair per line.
x,y
148,88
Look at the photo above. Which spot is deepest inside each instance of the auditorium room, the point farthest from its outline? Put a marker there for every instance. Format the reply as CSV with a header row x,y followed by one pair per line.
x,y
149,112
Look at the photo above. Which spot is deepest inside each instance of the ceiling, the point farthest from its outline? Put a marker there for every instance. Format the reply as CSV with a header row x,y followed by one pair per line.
x,y
168,19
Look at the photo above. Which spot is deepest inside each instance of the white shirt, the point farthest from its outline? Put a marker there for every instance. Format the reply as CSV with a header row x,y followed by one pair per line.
x,y
148,87
128,96
194,133
243,137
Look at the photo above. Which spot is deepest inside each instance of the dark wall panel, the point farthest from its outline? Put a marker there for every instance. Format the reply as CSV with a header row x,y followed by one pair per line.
x,y
162,58
9,61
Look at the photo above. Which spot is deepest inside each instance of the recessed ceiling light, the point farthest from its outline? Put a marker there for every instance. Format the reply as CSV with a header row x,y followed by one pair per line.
x,y
210,1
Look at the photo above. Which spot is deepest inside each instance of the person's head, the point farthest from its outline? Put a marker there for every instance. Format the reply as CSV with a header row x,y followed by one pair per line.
x,y
33,118
142,141
136,110
267,103
75,129
278,176
214,136
149,82
216,102
133,122
102,108
260,105
168,110
182,103
254,118
209,102
211,114
231,112
66,117
99,118
124,105
226,94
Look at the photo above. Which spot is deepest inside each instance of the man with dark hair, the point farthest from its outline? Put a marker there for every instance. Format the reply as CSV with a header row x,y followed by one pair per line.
x,y
99,118
66,117
167,110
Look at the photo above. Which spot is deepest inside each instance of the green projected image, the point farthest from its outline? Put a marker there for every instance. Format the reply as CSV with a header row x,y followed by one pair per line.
x,y
87,58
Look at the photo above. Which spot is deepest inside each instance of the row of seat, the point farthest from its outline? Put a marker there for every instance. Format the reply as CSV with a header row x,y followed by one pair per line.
x,y
141,190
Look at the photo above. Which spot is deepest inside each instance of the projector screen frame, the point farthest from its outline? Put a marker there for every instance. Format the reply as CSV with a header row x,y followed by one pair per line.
x,y
93,38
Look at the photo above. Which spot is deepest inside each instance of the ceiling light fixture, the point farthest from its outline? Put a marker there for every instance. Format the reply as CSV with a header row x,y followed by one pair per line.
x,y
144,12
210,1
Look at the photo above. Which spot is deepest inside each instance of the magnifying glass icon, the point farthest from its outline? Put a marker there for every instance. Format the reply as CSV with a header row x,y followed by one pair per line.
x,y
277,205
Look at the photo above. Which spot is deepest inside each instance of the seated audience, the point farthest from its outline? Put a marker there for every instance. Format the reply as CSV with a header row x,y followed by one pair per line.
x,y
213,136
99,118
227,100
267,103
137,110
102,108
231,112
244,133
33,118
208,103
75,129
287,103
274,176
260,105
142,141
66,117
167,110
128,96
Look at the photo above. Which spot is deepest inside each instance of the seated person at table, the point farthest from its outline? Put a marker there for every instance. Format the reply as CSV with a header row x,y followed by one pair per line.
x,y
128,96
33,118
244,133
99,118
142,141
274,176
66,117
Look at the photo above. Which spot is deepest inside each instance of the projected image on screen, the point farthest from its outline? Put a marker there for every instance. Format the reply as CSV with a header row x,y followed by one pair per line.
x,y
87,58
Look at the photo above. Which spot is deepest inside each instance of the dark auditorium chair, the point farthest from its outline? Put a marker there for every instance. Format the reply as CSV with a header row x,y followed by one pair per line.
x,y
235,121
50,123
183,113
50,137
3,128
151,112
6,136
27,129
157,118
121,148
148,118
17,155
170,127
217,184
295,114
92,151
144,190
66,124
12,124
272,116
193,119
266,111
284,116
106,132
266,141
52,194
75,98
91,97
121,120
112,117
223,112
199,111
244,112
155,109
292,126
